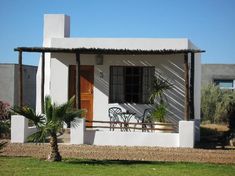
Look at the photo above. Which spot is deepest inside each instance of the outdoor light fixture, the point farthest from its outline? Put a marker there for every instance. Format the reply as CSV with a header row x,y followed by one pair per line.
x,y
99,59
101,74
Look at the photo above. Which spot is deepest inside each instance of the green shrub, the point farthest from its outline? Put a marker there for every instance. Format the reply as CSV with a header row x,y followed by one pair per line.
x,y
217,106
159,112
5,129
211,96
226,108
4,110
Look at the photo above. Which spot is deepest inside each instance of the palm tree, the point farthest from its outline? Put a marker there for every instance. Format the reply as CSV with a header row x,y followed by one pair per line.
x,y
50,124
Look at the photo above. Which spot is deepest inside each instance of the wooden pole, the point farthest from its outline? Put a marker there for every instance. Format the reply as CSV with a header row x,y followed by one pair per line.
x,y
78,98
20,79
186,78
42,82
192,74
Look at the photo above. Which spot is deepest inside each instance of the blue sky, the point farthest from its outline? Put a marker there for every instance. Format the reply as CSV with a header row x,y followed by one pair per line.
x,y
210,24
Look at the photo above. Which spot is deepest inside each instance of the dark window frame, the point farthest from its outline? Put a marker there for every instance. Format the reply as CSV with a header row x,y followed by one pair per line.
x,y
141,86
218,81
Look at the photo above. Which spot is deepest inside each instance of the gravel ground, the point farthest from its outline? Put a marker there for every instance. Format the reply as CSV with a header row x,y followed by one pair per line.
x,y
123,153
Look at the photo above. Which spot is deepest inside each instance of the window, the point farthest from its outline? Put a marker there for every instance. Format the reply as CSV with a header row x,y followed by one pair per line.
x,y
130,84
224,84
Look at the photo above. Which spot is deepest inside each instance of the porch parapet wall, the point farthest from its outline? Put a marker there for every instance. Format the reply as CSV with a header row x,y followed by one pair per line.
x,y
185,137
20,129
186,134
77,131
79,135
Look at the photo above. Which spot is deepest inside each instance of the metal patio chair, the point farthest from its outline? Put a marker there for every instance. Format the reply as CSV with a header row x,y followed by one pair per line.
x,y
145,118
114,117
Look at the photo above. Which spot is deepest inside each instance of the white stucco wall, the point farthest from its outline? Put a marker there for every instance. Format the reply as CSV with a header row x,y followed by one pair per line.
x,y
55,25
184,138
170,66
20,130
122,43
117,138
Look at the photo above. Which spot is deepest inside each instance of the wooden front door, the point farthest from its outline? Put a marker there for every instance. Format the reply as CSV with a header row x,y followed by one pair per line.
x,y
86,88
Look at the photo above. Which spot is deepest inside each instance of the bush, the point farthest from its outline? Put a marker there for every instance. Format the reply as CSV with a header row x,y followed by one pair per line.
x,y
4,110
159,112
211,96
5,129
225,110
4,120
217,106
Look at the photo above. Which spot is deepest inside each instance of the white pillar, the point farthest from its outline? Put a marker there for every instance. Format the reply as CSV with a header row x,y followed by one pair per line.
x,y
19,127
77,131
186,134
55,26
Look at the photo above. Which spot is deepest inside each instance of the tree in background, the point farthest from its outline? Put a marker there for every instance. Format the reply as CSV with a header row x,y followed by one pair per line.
x,y
217,105
210,97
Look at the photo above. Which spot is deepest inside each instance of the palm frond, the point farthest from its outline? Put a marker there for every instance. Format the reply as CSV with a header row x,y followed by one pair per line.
x,y
43,132
30,114
67,108
160,85
39,136
71,115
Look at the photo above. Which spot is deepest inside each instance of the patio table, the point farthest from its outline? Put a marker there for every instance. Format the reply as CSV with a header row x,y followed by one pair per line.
x,y
126,117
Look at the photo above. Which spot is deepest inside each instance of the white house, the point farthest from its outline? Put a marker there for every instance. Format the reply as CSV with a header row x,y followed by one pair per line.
x,y
116,72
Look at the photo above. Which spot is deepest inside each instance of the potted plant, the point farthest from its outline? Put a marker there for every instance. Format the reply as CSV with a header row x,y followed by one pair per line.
x,y
159,99
159,112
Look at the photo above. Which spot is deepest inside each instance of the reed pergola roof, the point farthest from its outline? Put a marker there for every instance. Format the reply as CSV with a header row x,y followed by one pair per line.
x,y
109,51
189,82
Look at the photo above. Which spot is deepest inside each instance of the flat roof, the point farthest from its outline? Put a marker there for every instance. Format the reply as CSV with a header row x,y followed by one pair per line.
x,y
110,51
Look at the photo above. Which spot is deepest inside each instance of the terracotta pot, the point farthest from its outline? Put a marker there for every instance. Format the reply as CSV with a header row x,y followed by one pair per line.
x,y
163,128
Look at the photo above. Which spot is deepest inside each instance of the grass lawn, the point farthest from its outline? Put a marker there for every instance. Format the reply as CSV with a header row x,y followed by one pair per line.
x,y
31,166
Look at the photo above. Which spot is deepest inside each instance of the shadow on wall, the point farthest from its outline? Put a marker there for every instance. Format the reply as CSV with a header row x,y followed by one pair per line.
x,y
170,69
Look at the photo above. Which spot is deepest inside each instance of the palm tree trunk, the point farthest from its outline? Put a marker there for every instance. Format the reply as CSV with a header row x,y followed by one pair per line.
x,y
54,154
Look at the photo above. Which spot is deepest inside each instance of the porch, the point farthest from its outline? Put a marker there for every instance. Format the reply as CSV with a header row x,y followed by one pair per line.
x,y
185,90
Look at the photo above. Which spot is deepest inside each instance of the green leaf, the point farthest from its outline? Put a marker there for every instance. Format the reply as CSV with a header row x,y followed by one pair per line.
x,y
29,113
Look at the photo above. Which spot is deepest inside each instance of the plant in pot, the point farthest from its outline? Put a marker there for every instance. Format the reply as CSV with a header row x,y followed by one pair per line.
x,y
159,112
159,99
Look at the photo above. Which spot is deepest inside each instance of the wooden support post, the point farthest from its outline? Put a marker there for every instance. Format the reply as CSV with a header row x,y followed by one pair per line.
x,y
78,98
186,78
192,74
20,79
42,82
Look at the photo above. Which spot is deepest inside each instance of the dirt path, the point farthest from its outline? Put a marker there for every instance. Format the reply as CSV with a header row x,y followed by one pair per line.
x,y
123,153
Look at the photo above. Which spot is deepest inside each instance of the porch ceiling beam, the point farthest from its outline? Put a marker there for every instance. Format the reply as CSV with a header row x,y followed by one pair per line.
x,y
20,79
186,87
78,98
42,82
